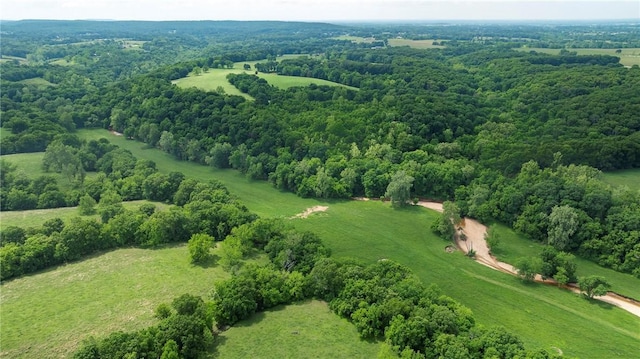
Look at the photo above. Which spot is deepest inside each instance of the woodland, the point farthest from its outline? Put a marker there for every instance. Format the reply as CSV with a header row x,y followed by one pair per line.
x,y
516,137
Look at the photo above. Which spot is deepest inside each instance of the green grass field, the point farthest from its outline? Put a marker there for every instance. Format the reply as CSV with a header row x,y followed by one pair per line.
x,y
628,57
214,78
36,217
37,81
259,196
543,316
30,165
513,246
356,39
416,44
629,178
302,330
48,314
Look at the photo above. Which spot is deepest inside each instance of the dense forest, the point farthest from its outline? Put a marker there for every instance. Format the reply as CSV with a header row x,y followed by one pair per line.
x,y
511,136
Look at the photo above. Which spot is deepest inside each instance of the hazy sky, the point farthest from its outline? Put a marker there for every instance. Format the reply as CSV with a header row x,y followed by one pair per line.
x,y
320,9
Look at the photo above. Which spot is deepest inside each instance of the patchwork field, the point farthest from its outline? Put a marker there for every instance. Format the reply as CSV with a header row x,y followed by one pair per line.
x,y
628,57
37,81
46,315
294,331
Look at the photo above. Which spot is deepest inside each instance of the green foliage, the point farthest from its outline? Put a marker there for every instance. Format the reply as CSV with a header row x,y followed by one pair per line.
x,y
593,286
87,205
399,189
528,267
200,247
563,223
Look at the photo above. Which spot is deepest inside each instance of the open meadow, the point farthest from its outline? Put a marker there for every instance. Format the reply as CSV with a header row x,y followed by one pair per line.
x,y
628,56
48,314
36,217
629,178
416,44
294,331
215,78
30,166
543,316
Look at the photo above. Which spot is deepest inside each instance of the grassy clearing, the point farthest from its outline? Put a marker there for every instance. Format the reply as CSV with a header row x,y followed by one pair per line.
x,y
295,331
211,80
543,316
214,78
356,39
36,217
30,166
629,178
259,196
37,81
513,246
628,57
416,44
48,314
62,62
6,58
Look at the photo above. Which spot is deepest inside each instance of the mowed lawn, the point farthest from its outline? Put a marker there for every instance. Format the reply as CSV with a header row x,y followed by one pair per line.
x,y
36,217
48,314
629,178
543,316
259,196
302,330
628,57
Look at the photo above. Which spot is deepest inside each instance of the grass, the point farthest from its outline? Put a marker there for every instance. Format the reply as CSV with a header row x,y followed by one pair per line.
x,y
30,165
36,217
37,81
513,246
298,330
356,39
259,196
416,44
543,316
62,62
47,315
214,78
629,178
628,57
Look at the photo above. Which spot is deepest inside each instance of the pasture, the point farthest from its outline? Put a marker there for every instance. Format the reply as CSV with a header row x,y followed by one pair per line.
x,y
30,166
259,196
36,217
629,178
416,44
628,57
543,316
38,82
217,78
48,314
513,246
301,330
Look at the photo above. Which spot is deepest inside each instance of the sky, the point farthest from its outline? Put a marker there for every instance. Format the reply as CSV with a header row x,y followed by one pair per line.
x,y
320,10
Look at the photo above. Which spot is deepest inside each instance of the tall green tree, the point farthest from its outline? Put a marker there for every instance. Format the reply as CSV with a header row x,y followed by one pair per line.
x,y
399,189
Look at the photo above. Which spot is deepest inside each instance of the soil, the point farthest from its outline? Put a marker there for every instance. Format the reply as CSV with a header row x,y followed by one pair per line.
x,y
310,210
475,232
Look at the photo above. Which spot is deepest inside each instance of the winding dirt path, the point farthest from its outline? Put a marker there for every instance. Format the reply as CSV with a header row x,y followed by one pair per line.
x,y
475,232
